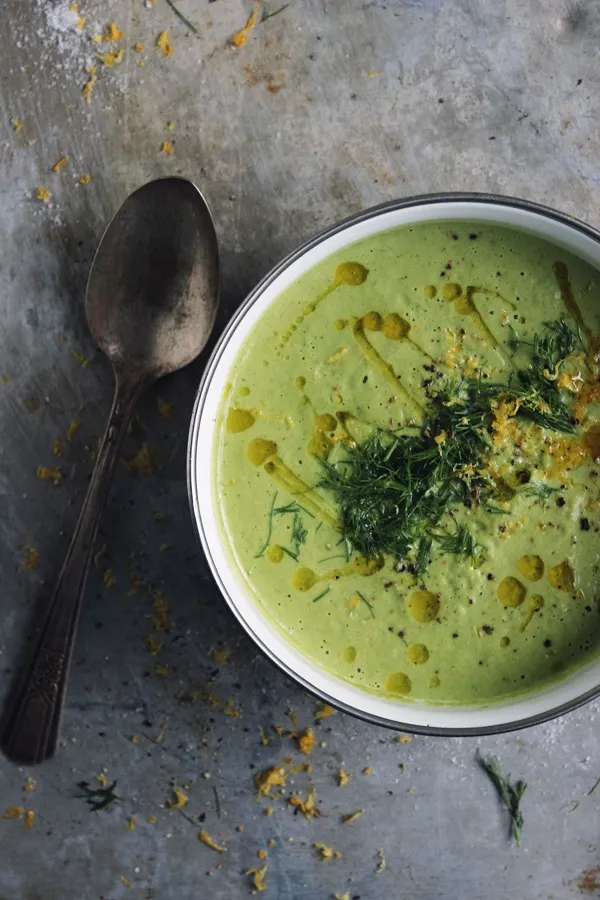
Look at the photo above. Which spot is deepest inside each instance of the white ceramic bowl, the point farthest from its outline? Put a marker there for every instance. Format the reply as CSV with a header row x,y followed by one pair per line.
x,y
562,696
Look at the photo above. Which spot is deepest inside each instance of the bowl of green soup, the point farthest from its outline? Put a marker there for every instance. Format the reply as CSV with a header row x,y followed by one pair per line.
x,y
394,464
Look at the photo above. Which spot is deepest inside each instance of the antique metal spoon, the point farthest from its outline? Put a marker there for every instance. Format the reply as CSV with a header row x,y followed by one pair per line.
x,y
151,302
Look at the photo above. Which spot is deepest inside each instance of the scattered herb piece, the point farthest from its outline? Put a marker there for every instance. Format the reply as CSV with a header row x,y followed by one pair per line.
x,y
510,794
97,798
594,787
350,819
180,15
268,14
322,594
217,802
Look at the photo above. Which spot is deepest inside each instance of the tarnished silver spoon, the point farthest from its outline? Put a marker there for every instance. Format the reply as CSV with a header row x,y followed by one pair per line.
x,y
151,302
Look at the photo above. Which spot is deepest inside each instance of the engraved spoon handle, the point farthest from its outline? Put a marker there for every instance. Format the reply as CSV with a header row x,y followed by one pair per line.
x,y
31,729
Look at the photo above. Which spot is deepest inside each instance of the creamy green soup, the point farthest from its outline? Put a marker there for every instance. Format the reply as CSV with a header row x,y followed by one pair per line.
x,y
407,460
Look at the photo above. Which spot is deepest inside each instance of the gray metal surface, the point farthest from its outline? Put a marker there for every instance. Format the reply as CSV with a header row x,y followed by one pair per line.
x,y
327,108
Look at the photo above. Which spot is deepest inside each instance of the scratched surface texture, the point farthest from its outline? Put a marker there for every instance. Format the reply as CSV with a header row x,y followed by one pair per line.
x,y
327,108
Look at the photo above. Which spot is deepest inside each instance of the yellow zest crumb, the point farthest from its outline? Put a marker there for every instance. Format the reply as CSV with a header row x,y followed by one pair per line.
x,y
166,147
158,515
292,717
85,179
278,729
241,36
29,785
141,462
73,426
343,777
271,842
265,741
381,863
410,791
327,852
344,896
162,671
165,409
367,771
153,645
138,47
270,778
112,33
161,733
57,447
219,656
42,194
307,807
46,473
164,44
171,126
261,854
125,881
152,820
141,63
404,739
110,59
108,579
13,812
269,811
29,818
258,879
31,558
60,163
230,709
373,73
86,90
181,798
16,124
348,820
101,779
4,378
80,358
131,823
160,619
134,739
80,21
164,546
323,711
205,837
306,741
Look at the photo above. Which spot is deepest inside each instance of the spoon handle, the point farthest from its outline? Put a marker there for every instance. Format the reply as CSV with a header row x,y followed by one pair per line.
x,y
32,725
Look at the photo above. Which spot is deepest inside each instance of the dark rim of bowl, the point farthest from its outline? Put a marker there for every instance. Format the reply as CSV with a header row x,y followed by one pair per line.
x,y
195,505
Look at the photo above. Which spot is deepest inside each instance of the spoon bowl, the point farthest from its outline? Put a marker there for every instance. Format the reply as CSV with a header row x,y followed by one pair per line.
x,y
150,300
151,303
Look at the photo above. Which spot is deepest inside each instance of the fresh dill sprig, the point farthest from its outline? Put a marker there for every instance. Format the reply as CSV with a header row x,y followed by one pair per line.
x,y
510,794
97,798
268,14
364,600
322,594
269,529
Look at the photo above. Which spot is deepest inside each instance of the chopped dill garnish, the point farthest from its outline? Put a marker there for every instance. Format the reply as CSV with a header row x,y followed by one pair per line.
x,y
322,594
538,489
97,798
366,602
217,802
270,527
461,543
393,490
510,794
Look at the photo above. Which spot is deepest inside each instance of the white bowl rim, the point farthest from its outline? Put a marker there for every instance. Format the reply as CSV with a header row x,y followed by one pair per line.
x,y
513,713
